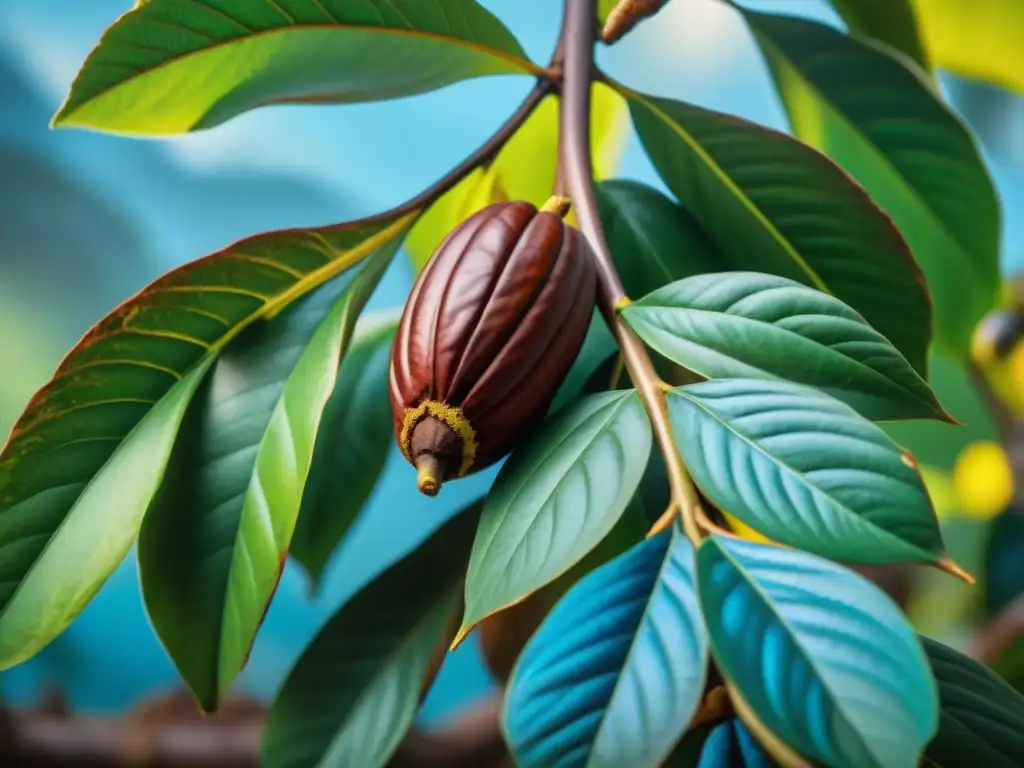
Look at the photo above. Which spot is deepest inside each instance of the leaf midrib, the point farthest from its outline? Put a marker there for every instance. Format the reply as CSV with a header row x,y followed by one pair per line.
x,y
727,182
66,112
808,658
753,445
639,307
963,253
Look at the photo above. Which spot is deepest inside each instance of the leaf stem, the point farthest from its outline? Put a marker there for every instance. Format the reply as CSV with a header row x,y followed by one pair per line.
x,y
484,154
579,35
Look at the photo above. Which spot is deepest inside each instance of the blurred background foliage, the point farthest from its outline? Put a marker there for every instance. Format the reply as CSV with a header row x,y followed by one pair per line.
x,y
86,220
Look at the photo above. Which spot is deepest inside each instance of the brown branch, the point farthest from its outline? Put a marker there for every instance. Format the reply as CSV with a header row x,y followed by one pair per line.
x,y
170,733
995,637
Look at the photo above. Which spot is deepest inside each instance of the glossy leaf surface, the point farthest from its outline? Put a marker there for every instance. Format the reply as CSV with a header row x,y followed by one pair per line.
x,y
824,658
804,469
353,693
171,66
66,441
352,445
892,22
978,40
652,239
524,169
886,125
981,721
773,204
214,541
629,638
556,497
757,326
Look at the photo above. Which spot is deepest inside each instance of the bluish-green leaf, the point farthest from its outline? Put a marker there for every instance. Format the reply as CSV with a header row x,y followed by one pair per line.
x,y
557,496
773,204
1003,579
981,722
627,643
824,658
652,239
805,470
351,447
878,116
214,541
353,693
171,66
751,325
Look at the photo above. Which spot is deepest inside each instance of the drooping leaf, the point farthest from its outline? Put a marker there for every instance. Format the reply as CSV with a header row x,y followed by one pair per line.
x,y
504,634
981,720
1003,578
979,40
214,541
751,325
805,470
823,657
171,66
62,529
886,125
524,169
772,204
351,446
652,239
892,22
629,637
353,693
556,497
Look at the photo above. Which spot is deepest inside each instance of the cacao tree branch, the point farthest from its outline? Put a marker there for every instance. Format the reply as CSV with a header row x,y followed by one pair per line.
x,y
579,35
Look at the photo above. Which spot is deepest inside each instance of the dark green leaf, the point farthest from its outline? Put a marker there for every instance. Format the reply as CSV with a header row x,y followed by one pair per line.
x,y
351,445
214,541
62,529
892,22
630,634
775,205
823,657
804,469
353,693
652,239
171,66
883,122
557,496
750,325
598,346
981,720
1003,578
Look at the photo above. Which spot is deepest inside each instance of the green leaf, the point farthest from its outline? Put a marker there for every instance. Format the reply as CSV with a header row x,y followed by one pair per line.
x,y
524,169
775,205
892,22
876,114
66,443
556,497
171,66
981,720
823,657
351,446
979,40
598,346
353,693
214,541
652,239
755,326
1003,579
805,470
631,635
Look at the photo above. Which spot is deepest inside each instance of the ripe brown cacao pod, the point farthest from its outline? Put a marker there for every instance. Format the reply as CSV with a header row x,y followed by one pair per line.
x,y
489,332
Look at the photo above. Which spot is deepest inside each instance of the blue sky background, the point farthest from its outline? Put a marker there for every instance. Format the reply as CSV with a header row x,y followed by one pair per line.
x,y
293,166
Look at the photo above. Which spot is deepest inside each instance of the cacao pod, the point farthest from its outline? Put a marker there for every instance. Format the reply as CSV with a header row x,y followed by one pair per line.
x,y
490,329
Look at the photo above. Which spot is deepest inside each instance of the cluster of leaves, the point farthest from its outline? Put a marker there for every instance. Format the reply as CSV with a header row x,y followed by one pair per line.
x,y
204,416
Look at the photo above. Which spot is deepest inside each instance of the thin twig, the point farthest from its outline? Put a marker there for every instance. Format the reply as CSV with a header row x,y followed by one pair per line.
x,y
578,39
994,638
